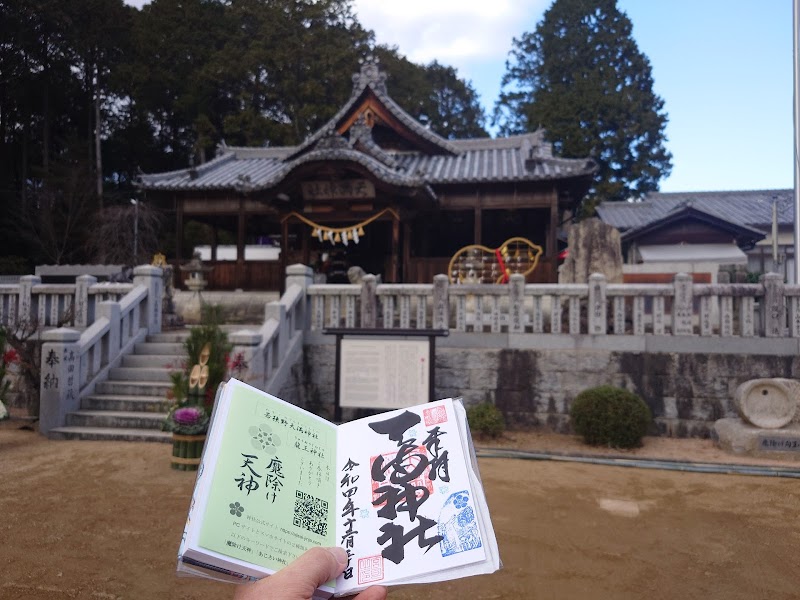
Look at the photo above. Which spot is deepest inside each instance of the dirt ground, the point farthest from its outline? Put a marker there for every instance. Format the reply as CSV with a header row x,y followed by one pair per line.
x,y
102,520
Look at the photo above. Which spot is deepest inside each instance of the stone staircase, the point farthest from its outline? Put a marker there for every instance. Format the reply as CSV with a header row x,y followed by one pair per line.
x,y
132,403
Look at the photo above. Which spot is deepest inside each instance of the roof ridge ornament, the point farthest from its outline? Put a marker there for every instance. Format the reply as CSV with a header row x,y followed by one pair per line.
x,y
332,139
369,75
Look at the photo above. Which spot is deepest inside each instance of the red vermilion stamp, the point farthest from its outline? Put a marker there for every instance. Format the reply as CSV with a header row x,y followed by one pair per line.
x,y
435,415
370,569
409,464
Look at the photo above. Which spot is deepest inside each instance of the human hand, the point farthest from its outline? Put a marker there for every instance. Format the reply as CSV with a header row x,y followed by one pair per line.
x,y
299,579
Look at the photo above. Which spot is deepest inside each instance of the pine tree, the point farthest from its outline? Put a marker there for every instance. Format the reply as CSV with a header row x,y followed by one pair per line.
x,y
581,76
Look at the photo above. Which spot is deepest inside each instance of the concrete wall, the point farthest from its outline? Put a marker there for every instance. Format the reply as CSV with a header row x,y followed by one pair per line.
x,y
686,392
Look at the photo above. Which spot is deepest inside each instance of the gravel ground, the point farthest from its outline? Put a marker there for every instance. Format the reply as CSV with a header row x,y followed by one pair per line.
x,y
103,520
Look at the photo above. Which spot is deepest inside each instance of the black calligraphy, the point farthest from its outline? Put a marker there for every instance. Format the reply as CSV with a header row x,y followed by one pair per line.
x,y
247,482
348,484
274,481
399,490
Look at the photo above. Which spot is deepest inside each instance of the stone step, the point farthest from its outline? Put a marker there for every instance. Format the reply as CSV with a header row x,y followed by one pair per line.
x,y
153,374
170,348
110,434
162,361
115,419
126,403
169,337
134,388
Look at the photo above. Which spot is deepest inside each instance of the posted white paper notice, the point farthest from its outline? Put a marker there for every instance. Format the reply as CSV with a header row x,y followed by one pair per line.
x,y
387,374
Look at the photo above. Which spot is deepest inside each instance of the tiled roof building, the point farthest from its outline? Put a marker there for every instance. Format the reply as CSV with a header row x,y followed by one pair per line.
x,y
423,196
758,223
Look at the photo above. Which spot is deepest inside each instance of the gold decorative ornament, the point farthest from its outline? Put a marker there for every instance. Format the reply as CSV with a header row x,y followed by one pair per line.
x,y
479,264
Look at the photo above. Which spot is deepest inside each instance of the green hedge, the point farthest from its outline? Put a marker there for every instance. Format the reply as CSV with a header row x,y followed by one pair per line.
x,y
486,419
610,416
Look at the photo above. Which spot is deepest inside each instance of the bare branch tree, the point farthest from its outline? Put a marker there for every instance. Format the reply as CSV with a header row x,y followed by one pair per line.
x,y
117,230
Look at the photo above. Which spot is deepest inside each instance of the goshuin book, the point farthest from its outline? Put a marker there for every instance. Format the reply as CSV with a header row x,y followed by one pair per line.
x,y
399,491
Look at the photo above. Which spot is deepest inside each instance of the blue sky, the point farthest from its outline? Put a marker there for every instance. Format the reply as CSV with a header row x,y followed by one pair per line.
x,y
723,67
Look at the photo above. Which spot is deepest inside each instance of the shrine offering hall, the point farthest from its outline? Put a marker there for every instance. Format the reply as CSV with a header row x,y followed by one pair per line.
x,y
373,188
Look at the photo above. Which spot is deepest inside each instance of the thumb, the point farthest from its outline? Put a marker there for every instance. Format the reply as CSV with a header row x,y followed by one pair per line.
x,y
310,570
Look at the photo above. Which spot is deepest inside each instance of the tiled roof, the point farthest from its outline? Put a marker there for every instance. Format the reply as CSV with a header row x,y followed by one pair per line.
x,y
748,208
690,209
516,158
371,78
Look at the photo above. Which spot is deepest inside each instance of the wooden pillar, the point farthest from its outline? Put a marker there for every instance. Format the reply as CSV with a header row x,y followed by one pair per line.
x,y
551,248
306,249
284,252
241,229
395,250
478,222
405,274
179,229
214,243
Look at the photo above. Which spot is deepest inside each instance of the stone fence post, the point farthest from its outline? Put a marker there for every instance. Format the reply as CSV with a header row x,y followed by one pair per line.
x,y
302,276
82,285
25,312
682,305
441,302
245,345
59,387
516,303
774,313
369,302
277,311
598,321
151,278
111,311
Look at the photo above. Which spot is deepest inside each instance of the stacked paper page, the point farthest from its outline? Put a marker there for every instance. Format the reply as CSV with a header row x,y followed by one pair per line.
x,y
399,491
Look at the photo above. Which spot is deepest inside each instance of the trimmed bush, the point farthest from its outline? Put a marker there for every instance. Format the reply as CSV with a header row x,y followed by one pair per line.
x,y
486,419
610,416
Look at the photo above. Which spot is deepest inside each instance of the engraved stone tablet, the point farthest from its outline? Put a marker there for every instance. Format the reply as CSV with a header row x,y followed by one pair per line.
x,y
766,403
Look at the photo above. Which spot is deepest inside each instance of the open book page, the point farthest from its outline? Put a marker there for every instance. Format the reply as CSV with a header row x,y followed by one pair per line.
x,y
409,506
266,491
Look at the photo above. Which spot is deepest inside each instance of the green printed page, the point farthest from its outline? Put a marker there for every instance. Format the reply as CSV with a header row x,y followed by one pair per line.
x,y
272,494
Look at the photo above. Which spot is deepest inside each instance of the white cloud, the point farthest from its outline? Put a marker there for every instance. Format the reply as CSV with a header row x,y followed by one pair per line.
x,y
455,32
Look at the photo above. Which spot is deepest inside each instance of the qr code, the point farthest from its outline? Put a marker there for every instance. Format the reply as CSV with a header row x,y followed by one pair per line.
x,y
310,513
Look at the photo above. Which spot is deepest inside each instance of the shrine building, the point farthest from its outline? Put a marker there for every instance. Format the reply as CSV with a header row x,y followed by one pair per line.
x,y
373,188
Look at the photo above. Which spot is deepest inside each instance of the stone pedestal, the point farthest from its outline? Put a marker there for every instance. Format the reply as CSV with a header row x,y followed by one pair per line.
x,y
193,309
738,437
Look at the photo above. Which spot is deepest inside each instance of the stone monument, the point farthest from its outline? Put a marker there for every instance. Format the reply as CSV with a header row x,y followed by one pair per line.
x,y
594,247
769,424
192,312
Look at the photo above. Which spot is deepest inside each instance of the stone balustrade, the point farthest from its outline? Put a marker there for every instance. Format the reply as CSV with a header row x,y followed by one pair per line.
x,y
766,309
267,356
57,305
74,361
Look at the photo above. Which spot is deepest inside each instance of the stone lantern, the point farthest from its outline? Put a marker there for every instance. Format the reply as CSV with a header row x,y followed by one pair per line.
x,y
196,281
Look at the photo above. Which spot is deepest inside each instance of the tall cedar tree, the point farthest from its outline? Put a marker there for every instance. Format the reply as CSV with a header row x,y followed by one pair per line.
x,y
434,95
581,76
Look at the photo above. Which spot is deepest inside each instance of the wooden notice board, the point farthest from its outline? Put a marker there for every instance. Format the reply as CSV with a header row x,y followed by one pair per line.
x,y
384,368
